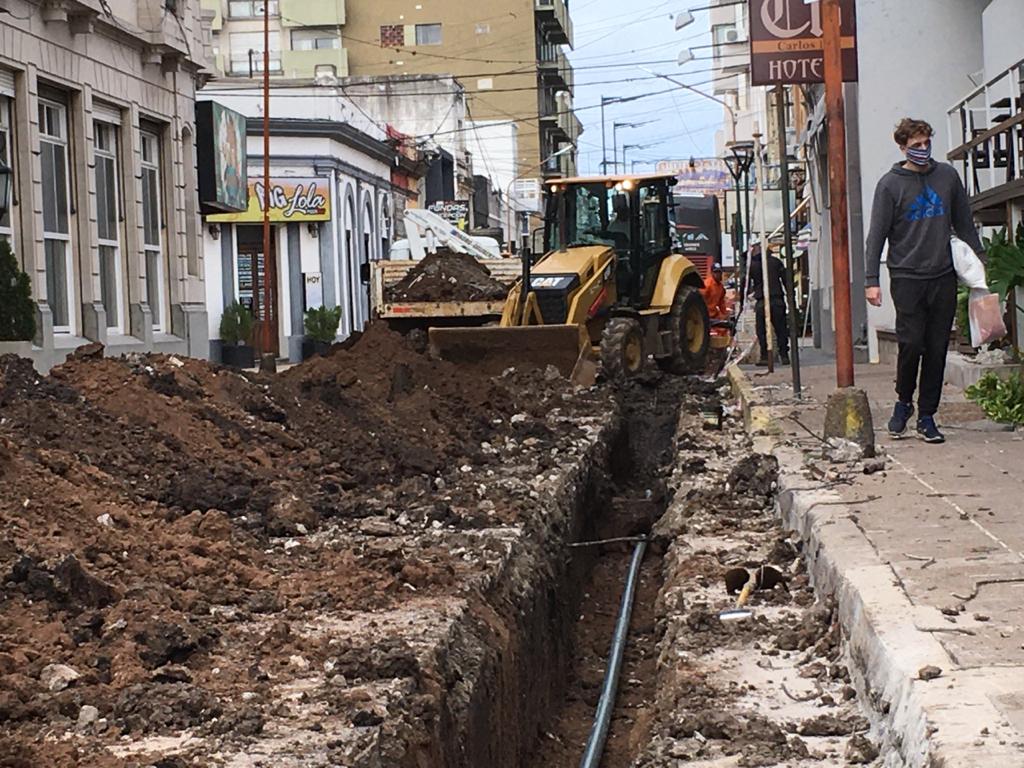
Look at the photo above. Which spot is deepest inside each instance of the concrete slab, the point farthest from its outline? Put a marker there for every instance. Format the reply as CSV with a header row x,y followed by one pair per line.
x,y
938,529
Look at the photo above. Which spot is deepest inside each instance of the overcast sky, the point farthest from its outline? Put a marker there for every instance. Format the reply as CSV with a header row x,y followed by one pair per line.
x,y
610,41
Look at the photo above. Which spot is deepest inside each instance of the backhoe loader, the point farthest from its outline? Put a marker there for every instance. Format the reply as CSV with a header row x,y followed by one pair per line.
x,y
609,287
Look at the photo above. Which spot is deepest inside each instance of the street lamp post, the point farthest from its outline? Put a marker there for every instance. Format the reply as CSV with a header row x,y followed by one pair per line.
x,y
728,107
615,141
604,139
742,159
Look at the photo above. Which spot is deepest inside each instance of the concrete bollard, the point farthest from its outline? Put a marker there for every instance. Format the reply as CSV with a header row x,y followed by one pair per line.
x,y
848,416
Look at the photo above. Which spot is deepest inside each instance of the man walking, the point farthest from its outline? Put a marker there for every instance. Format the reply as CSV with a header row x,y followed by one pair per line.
x,y
776,302
916,205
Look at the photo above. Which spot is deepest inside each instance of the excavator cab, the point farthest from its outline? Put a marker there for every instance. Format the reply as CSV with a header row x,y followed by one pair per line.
x,y
608,283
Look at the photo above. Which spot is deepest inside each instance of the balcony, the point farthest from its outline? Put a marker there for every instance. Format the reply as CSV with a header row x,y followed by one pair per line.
x,y
557,72
553,18
302,65
218,17
988,128
312,13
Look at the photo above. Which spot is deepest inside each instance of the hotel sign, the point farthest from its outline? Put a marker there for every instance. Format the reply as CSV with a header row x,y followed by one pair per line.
x,y
786,43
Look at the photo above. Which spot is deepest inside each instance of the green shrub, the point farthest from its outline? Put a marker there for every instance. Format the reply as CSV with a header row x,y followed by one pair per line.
x,y
236,324
322,324
1005,267
1001,399
17,310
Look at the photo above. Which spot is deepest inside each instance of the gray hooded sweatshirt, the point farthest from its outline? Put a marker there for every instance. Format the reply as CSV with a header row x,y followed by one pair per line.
x,y
915,213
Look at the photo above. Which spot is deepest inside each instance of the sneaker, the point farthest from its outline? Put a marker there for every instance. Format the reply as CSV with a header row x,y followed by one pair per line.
x,y
927,430
900,416
784,358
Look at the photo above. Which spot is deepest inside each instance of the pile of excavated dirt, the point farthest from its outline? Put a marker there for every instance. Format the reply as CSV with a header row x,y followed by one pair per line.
x,y
447,276
170,526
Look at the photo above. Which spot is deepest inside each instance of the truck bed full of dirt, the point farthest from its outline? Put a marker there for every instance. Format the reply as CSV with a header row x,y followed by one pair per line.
x,y
447,276
202,567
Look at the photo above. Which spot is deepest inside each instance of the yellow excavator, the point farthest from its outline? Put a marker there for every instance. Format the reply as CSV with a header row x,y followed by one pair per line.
x,y
610,287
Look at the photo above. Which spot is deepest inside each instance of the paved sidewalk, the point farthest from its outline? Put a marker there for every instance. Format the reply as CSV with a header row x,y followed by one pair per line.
x,y
931,552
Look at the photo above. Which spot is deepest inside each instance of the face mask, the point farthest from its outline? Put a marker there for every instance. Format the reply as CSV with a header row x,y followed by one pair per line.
x,y
919,156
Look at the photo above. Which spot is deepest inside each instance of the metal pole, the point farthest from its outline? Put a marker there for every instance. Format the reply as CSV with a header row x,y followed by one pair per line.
x,y
835,113
769,334
604,141
268,262
615,147
794,339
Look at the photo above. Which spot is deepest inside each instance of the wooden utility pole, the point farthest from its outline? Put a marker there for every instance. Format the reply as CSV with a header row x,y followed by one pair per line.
x,y
268,360
835,112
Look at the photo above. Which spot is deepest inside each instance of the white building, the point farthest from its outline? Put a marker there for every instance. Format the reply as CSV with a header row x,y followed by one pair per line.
x,y
321,248
97,121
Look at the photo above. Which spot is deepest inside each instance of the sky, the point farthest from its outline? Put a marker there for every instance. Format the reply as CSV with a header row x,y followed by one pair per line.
x,y
610,46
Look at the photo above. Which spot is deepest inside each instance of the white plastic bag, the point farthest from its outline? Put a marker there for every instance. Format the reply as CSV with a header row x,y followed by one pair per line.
x,y
986,315
968,266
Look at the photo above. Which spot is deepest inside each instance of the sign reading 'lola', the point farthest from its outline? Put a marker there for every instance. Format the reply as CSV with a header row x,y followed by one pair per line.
x,y
290,200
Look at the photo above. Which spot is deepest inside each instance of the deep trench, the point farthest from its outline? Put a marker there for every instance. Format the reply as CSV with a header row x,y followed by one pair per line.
x,y
632,496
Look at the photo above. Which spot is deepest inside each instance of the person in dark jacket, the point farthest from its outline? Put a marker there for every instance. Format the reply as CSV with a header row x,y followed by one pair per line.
x,y
916,205
776,302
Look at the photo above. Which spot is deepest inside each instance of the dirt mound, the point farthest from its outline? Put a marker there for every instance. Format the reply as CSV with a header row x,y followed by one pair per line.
x,y
447,276
156,509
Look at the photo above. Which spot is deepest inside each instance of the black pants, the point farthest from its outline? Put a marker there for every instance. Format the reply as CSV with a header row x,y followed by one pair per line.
x,y
778,323
924,316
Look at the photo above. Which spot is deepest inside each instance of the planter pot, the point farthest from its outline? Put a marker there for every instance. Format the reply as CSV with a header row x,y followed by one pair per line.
x,y
238,355
312,348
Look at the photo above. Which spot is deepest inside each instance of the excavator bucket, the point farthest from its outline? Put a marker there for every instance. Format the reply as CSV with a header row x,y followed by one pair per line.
x,y
495,349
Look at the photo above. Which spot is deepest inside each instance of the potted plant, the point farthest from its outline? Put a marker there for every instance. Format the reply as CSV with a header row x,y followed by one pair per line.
x,y
1005,271
236,325
17,309
321,330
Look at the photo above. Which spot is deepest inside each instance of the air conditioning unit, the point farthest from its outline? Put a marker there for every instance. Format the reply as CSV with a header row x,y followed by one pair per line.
x,y
732,36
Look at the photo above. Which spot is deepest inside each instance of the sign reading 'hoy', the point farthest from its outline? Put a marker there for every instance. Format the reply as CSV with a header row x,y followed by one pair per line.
x,y
786,44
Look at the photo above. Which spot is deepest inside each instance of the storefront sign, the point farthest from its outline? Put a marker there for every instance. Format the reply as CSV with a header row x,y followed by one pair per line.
x,y
786,44
220,150
453,211
291,200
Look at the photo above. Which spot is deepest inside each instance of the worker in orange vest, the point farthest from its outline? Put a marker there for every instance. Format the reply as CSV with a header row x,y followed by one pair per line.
x,y
714,294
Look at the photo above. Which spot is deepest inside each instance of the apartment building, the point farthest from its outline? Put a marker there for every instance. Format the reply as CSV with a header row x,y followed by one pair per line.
x,y
508,55
97,119
305,38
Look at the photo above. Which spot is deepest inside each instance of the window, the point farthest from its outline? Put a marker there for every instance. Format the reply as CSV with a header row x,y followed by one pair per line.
x,y
7,158
428,34
152,226
315,39
392,36
108,221
53,151
250,9
245,43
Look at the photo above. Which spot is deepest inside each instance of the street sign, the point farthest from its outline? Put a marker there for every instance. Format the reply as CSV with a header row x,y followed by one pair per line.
x,y
786,44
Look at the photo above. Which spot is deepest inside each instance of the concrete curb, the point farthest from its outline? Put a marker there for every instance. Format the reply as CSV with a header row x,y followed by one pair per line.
x,y
933,724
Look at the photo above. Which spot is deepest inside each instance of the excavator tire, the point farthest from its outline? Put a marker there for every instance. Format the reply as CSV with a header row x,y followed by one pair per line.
x,y
691,333
622,348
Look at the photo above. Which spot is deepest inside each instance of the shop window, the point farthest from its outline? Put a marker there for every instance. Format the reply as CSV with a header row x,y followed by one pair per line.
x,y
108,221
53,152
428,34
6,158
152,226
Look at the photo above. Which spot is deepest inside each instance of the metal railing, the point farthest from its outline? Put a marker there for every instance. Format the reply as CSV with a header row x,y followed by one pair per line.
x,y
989,122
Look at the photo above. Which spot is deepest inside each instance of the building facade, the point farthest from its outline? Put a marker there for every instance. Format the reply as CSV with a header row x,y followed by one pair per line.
x,y
97,105
335,188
